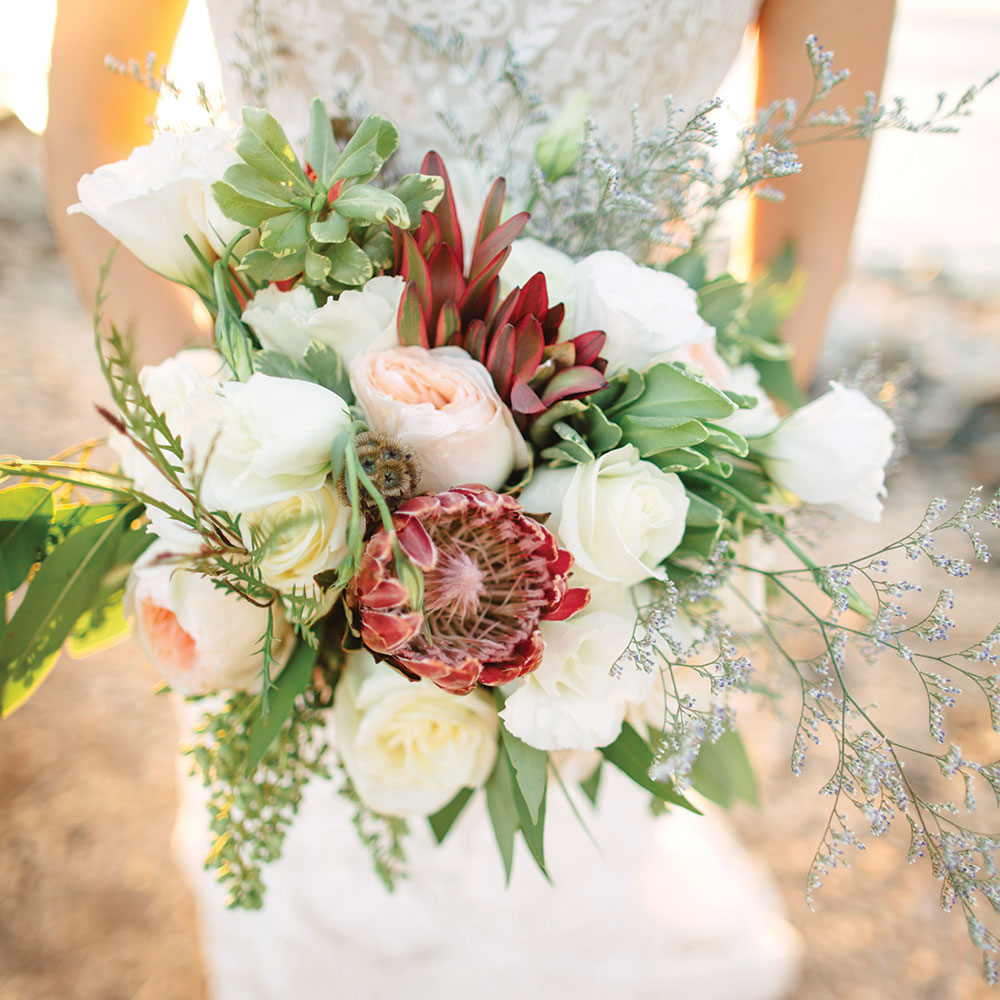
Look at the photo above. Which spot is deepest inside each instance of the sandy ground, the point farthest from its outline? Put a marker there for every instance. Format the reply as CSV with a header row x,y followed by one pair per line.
x,y
91,906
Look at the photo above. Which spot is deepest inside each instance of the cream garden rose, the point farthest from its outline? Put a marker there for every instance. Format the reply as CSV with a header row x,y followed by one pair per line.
x,y
643,311
833,451
358,322
619,515
444,404
202,639
161,193
303,535
270,440
409,747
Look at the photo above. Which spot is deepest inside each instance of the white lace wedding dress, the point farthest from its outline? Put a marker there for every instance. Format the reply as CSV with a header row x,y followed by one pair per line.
x,y
667,908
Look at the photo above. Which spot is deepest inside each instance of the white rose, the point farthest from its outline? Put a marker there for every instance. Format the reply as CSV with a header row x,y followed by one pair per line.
x,y
572,701
644,312
359,322
272,440
444,404
182,388
529,256
409,747
202,639
305,534
833,450
620,516
161,193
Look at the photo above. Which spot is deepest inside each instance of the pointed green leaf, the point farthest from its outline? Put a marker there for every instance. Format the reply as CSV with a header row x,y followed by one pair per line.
x,y
727,440
331,230
279,365
532,826
701,513
371,204
290,684
671,392
722,772
242,209
373,143
632,755
25,515
284,234
262,143
719,300
99,628
502,809
326,368
444,819
63,588
591,786
321,148
531,768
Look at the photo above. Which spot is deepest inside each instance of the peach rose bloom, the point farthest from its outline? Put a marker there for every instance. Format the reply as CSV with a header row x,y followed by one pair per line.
x,y
201,639
444,404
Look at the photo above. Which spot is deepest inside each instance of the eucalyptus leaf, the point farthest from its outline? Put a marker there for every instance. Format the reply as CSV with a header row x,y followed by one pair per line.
x,y
25,515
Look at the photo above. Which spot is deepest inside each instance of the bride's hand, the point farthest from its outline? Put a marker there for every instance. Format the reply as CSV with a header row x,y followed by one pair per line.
x,y
97,117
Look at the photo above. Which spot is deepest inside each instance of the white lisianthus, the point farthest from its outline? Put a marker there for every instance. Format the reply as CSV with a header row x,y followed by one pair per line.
x,y
833,451
182,388
359,322
161,193
304,535
527,257
572,702
271,440
644,312
409,747
619,515
444,404
201,638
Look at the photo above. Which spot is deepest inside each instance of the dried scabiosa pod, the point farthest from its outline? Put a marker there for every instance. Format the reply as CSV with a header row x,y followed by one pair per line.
x,y
393,467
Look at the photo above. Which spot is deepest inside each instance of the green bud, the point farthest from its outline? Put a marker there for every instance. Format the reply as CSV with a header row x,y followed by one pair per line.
x,y
558,149
411,578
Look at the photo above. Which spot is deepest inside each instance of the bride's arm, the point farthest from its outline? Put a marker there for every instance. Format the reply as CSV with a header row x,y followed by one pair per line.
x,y
821,202
95,117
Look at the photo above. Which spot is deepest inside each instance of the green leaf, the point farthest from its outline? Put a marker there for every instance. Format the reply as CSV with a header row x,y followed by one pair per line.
x,y
542,427
373,143
63,588
241,208
284,234
317,266
331,230
558,149
371,204
602,435
326,368
679,460
279,365
321,148
727,440
231,335
690,266
632,755
100,628
419,193
351,265
592,785
25,515
531,769
262,143
777,379
671,392
532,826
722,772
262,265
502,809
652,435
378,246
720,300
443,820
290,684
572,448
701,513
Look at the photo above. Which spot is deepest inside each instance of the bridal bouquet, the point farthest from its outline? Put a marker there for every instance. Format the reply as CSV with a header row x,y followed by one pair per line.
x,y
451,509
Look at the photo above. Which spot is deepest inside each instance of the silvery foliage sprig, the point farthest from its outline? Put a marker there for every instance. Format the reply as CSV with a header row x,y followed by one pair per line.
x,y
871,778
666,188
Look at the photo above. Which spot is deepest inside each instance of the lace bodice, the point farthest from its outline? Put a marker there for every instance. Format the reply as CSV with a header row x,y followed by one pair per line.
x,y
367,53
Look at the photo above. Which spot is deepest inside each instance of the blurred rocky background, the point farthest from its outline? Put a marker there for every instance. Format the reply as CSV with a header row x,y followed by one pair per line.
x,y
91,906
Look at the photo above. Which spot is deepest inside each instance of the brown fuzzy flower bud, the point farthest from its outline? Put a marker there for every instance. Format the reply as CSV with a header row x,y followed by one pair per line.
x,y
393,467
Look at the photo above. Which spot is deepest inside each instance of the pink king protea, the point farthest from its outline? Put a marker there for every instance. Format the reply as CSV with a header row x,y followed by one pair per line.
x,y
491,573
